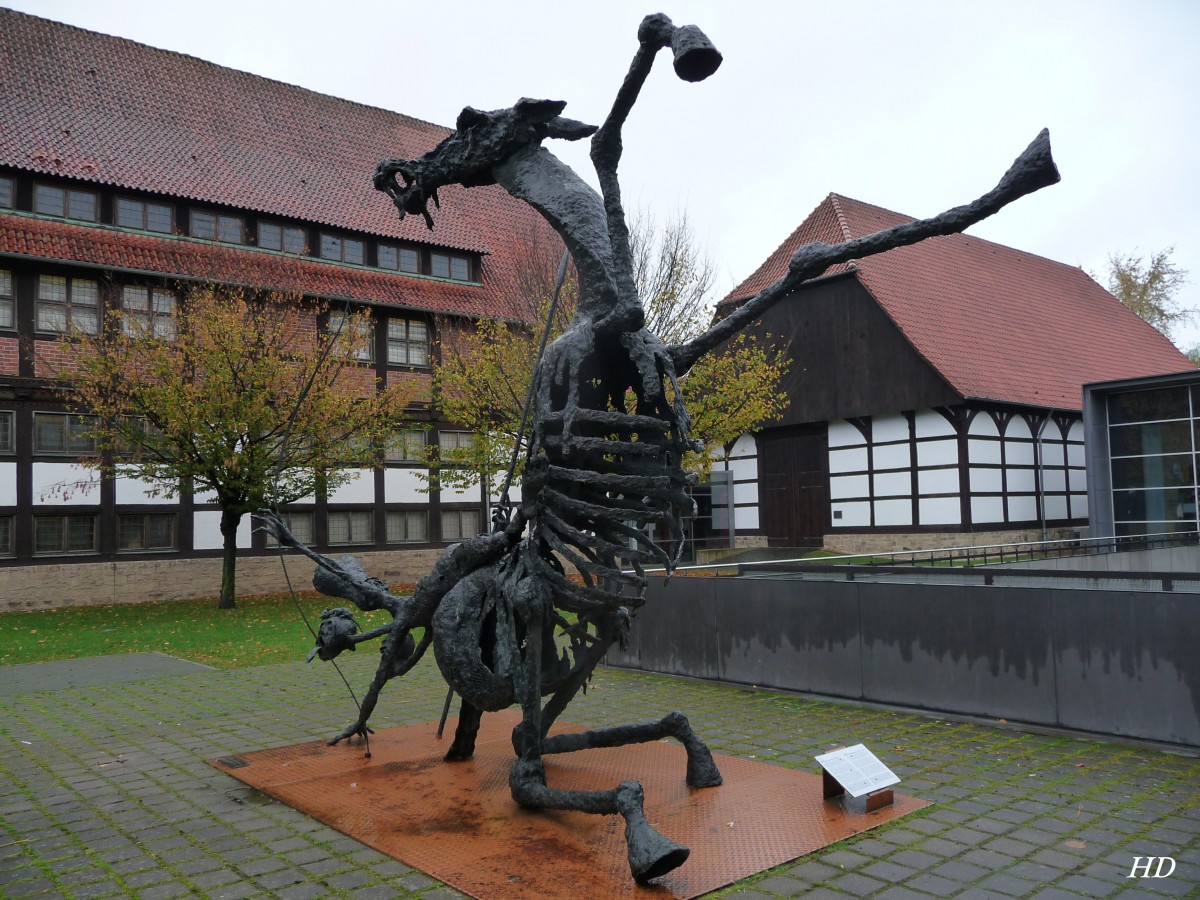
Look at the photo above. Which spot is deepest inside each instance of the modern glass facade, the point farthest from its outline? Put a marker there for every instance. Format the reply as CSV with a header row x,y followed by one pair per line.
x,y
1153,436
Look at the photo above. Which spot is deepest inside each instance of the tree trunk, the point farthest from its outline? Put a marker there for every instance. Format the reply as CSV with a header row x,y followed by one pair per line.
x,y
230,519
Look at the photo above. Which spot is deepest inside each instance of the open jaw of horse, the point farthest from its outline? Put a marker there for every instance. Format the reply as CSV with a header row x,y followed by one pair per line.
x,y
609,433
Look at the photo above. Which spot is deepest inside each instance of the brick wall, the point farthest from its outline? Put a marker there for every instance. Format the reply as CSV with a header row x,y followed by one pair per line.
x,y
10,356
91,584
890,543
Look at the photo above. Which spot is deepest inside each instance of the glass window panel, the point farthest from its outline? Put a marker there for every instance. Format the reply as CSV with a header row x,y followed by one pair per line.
x,y
300,524
52,288
331,247
406,446
164,302
6,535
362,527
131,533
388,257
439,265
49,433
79,436
8,317
6,287
134,299
229,229
48,200
81,533
7,190
84,293
270,237
48,534
7,432
86,320
204,225
51,317
1153,471
459,270
160,531
456,440
1150,438
407,526
1148,406
294,240
81,205
352,251
129,213
1165,505
409,260
160,218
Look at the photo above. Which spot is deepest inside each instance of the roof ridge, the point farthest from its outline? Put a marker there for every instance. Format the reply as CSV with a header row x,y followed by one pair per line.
x,y
835,199
207,62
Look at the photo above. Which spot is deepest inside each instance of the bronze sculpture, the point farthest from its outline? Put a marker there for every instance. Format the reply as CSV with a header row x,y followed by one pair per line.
x,y
609,431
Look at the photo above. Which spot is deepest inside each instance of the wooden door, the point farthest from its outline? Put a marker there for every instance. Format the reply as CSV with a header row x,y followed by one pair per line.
x,y
793,471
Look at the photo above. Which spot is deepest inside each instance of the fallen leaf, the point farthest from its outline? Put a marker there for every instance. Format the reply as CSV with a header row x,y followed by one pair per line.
x,y
1077,845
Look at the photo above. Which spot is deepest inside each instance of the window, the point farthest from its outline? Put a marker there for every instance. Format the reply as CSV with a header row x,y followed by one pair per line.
x,y
459,524
364,337
146,531
6,535
407,526
456,440
281,237
406,446
62,433
7,192
408,342
8,431
64,202
67,303
144,215
64,534
443,265
350,527
148,312
300,524
8,315
217,227
341,249
402,259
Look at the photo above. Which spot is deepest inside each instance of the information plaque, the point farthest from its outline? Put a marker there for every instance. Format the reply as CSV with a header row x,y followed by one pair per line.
x,y
857,770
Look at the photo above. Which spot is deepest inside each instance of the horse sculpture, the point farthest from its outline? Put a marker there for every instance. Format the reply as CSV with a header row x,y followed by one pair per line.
x,y
609,432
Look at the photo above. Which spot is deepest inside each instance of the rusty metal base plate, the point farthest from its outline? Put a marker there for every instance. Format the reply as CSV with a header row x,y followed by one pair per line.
x,y
458,823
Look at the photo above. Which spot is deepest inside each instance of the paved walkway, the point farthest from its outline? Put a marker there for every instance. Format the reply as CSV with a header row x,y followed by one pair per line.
x,y
104,791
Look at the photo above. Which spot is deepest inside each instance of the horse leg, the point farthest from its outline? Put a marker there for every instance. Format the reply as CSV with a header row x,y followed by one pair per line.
x,y
463,746
702,771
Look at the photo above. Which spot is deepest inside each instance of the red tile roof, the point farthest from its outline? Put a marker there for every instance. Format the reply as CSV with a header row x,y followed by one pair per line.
x,y
997,323
110,111
113,249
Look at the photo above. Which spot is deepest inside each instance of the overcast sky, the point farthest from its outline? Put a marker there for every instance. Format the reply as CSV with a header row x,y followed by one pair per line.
x,y
908,104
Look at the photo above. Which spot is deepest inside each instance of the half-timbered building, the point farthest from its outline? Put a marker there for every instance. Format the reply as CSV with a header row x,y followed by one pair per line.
x,y
125,171
935,392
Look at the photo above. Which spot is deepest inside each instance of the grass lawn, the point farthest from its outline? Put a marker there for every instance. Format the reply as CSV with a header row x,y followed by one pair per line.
x,y
260,631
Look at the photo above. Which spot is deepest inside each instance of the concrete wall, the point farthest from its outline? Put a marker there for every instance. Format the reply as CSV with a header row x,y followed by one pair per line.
x,y
1112,662
893,542
84,584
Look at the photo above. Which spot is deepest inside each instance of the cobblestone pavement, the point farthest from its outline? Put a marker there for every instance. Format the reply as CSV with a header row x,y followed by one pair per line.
x,y
104,792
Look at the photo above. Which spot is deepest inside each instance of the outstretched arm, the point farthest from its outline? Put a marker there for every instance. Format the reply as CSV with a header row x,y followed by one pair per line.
x,y
1033,170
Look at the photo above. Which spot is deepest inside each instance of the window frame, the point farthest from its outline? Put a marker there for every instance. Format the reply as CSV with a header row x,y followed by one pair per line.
x,y
458,442
8,530
8,301
10,192
405,438
451,259
151,316
404,344
336,316
65,520
173,532
74,427
329,239
68,305
8,432
144,209
406,515
284,232
456,515
402,252
68,198
219,221
352,515
307,535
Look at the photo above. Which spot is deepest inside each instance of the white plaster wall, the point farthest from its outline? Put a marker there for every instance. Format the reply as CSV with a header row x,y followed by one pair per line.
x,y
1053,453
514,492
1018,454
848,460
745,493
65,484
937,453
1079,505
1021,481
987,509
1022,508
893,512
744,447
1078,480
984,451
404,486
8,484
983,425
1054,481
889,428
745,518
469,494
139,490
842,486
854,515
206,533
359,489
986,481
932,424
843,434
891,456
1075,454
1056,507
940,511
893,484
937,481
1017,428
